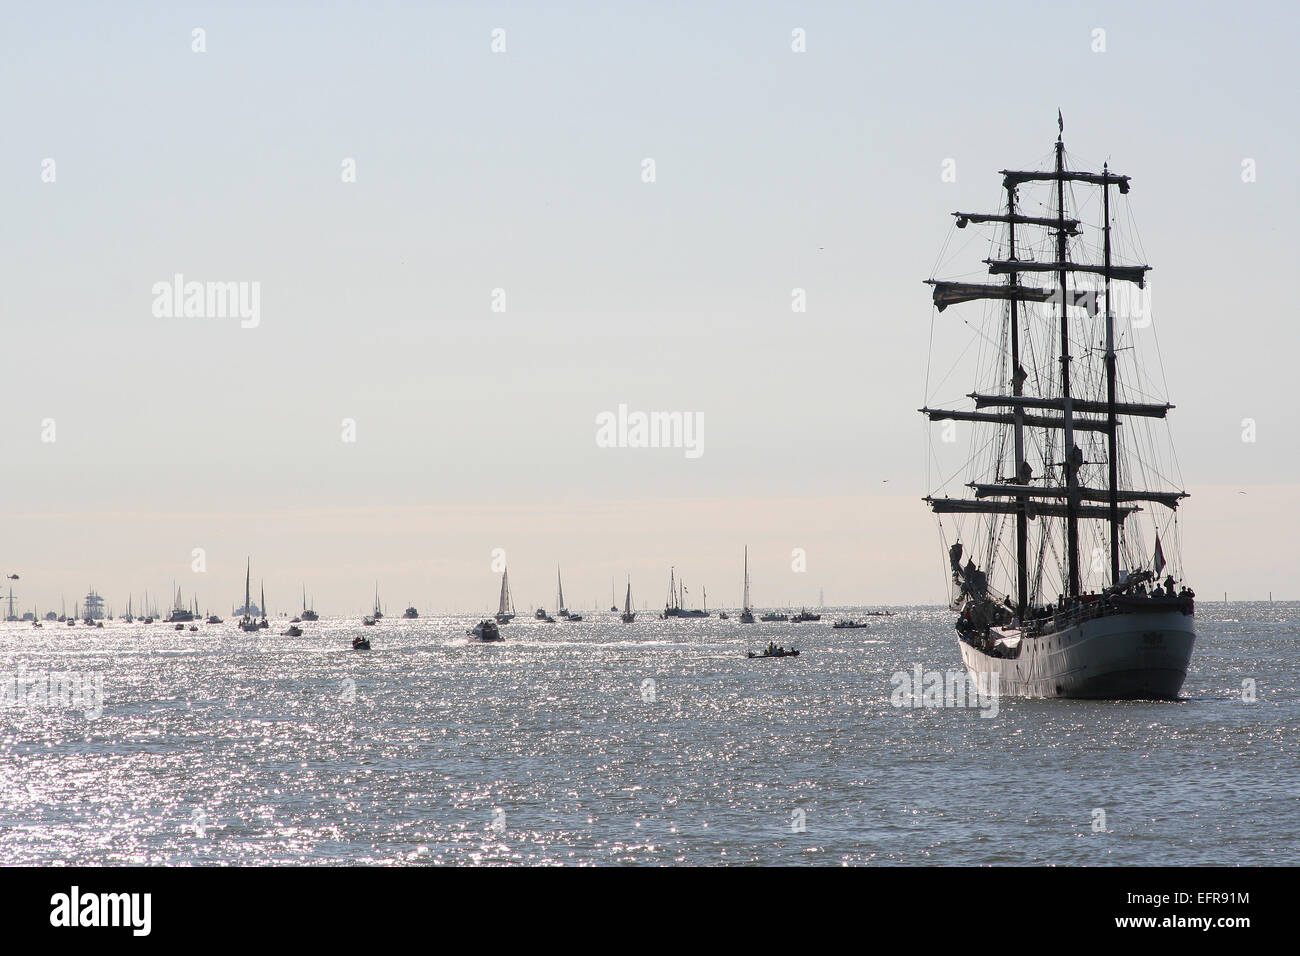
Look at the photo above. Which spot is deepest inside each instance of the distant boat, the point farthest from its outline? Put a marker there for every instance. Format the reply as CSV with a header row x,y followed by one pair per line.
x,y
564,611
505,604
368,621
263,623
849,623
213,619
486,631
246,623
293,631
308,613
628,615
746,613
613,604
771,651
179,613
410,614
676,606
361,643
806,615
773,616
378,611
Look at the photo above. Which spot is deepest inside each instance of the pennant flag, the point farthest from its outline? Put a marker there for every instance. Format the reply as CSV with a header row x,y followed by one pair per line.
x,y
1160,556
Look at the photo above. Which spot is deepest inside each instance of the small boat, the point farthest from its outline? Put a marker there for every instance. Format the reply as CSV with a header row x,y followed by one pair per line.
x,y
485,631
806,615
361,643
194,627
294,631
378,611
213,619
180,627
773,616
849,623
368,621
410,614
773,651
724,616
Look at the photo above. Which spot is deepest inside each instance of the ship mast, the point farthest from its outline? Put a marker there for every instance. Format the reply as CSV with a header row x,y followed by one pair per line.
x,y
1116,525
1067,406
1021,476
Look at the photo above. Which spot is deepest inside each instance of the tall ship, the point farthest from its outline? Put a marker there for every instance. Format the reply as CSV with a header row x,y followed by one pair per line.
x,y
505,603
1062,544
94,606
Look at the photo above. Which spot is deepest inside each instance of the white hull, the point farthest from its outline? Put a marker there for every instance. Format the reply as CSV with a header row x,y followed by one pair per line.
x,y
1139,656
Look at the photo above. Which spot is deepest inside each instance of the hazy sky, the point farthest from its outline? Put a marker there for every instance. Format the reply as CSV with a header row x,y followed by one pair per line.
x,y
523,171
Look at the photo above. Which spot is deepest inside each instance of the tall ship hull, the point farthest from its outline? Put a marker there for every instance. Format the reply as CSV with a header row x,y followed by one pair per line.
x,y
1126,656
1057,589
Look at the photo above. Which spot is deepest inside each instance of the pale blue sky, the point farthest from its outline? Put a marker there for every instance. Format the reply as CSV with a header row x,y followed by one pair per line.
x,y
521,170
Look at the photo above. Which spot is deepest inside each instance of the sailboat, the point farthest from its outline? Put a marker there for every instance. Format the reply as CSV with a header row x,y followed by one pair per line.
x,y
563,611
505,605
378,612
613,604
1062,450
746,612
676,606
308,613
263,623
246,623
628,614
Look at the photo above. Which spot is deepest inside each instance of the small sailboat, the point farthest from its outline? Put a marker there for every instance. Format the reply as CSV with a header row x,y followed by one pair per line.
x,y
263,623
505,605
246,623
613,604
746,612
563,611
378,612
628,615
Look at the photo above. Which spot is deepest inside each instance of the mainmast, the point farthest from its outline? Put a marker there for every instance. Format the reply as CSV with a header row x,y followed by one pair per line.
x,y
1072,455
